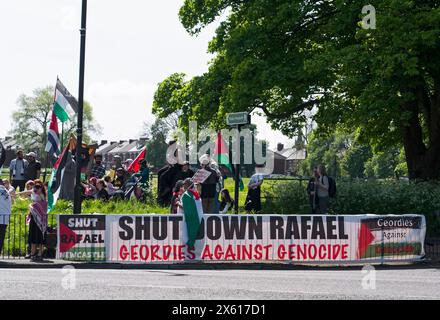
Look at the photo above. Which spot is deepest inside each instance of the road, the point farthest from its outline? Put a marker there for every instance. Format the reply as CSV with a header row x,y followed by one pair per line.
x,y
217,284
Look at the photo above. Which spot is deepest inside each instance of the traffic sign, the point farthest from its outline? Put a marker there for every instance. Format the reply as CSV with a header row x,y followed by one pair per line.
x,y
237,118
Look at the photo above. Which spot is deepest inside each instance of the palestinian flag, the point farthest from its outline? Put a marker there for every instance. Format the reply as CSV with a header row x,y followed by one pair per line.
x,y
221,153
65,106
193,212
53,136
135,166
56,178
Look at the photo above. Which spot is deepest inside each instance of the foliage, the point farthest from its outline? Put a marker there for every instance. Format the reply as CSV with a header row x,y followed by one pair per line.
x,y
365,197
31,120
288,57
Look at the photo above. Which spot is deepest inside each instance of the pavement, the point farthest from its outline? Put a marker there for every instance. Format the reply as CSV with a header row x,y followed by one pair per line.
x,y
227,284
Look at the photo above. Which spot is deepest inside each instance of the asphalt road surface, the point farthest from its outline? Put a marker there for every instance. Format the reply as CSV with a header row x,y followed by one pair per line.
x,y
55,284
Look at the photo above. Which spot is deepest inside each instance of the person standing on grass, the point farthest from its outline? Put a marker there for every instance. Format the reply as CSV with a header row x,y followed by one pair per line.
x,y
17,169
253,198
209,186
5,211
176,205
311,191
38,221
33,169
322,190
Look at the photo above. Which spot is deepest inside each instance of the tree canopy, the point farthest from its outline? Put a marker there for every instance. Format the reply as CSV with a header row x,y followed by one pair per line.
x,y
287,57
31,120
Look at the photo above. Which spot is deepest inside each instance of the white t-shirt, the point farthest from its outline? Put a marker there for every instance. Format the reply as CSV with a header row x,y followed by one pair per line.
x,y
5,205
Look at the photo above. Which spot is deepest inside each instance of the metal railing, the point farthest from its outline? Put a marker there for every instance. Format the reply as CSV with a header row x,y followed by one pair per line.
x,y
15,243
16,246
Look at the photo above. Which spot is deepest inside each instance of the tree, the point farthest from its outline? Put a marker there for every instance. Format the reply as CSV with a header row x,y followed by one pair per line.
x,y
31,121
354,160
157,144
286,57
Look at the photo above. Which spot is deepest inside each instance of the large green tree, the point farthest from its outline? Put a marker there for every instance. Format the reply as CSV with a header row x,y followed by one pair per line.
x,y
31,120
287,57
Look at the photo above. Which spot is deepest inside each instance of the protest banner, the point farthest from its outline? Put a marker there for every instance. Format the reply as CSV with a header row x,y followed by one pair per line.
x,y
81,237
266,238
200,176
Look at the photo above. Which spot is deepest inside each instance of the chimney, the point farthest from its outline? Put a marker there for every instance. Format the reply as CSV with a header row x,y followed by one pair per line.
x,y
103,142
122,141
132,140
280,147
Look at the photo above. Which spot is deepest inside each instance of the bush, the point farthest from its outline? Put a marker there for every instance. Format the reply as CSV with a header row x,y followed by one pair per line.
x,y
364,196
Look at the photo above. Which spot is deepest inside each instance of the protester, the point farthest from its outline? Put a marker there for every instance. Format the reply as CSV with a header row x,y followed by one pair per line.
x,y
226,202
167,180
38,221
90,189
102,193
110,187
10,189
33,169
208,187
322,188
218,187
5,211
311,191
126,164
116,163
184,172
17,170
98,169
176,205
253,198
67,191
120,180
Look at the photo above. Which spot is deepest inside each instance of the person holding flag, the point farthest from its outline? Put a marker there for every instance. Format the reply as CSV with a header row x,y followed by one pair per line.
x,y
192,211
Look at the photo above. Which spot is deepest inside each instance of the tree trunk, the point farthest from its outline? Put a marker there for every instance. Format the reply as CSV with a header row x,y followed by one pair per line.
x,y
423,161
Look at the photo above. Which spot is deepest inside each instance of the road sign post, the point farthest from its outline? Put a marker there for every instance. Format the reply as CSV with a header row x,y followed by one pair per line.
x,y
237,119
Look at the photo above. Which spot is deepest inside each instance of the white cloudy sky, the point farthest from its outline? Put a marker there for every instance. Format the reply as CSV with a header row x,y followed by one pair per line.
x,y
132,45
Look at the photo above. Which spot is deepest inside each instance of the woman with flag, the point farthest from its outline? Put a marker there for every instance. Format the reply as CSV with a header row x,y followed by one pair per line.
x,y
38,220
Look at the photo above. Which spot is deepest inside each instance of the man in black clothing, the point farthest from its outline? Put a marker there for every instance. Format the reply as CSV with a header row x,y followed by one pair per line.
x,y
33,170
311,191
209,186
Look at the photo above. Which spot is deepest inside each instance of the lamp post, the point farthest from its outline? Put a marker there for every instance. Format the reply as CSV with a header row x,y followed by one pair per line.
x,y
79,131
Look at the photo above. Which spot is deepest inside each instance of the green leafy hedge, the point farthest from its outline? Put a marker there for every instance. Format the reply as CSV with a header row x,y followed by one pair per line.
x,y
364,196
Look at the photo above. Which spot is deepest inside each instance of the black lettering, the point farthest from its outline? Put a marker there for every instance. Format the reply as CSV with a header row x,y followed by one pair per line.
x,y
304,226
255,228
341,227
318,228
213,228
331,228
142,228
163,223
124,225
292,229
233,227
276,227
175,221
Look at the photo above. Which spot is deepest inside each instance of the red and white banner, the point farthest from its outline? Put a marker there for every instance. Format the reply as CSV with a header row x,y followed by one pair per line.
x,y
265,238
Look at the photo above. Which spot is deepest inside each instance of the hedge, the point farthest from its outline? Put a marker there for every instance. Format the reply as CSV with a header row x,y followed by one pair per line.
x,y
363,197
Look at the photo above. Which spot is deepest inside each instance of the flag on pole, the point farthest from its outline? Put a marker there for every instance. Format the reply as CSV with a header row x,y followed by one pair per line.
x,y
56,179
53,136
135,166
193,212
65,106
221,153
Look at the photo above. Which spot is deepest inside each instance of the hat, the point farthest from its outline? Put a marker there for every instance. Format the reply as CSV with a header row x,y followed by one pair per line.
x,y
120,169
205,159
31,154
128,161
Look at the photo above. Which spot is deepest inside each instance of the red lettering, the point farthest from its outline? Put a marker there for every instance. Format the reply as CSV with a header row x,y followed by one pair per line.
x,y
123,252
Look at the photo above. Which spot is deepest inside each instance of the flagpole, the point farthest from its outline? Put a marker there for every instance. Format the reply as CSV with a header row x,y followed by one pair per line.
x,y
79,132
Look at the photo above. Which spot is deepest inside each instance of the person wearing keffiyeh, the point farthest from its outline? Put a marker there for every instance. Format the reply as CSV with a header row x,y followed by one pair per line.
x,y
38,220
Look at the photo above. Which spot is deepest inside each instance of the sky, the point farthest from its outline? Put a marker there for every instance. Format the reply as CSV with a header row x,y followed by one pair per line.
x,y
132,45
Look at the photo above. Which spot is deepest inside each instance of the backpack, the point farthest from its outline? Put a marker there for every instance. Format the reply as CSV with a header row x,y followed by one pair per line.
x,y
331,187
